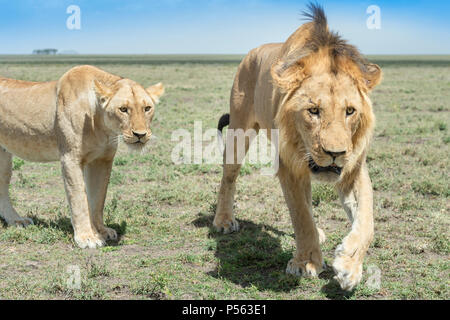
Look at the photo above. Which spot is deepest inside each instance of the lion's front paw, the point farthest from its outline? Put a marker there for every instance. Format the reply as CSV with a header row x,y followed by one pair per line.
x,y
307,269
108,233
89,240
226,225
348,272
21,222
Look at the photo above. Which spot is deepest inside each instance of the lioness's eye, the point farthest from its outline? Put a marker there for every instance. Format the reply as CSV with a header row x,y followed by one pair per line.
x,y
124,109
314,111
147,109
350,111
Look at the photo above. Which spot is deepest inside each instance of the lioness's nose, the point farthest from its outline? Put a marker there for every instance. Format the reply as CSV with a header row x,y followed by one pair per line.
x,y
334,154
140,135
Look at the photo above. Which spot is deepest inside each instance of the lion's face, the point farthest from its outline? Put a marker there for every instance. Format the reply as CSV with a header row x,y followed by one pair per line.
x,y
326,118
327,122
329,109
129,112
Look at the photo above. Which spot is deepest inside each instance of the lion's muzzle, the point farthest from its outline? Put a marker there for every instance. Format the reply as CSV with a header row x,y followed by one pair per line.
x,y
316,169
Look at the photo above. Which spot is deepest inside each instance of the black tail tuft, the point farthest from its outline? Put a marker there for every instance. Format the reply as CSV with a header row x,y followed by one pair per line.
x,y
223,122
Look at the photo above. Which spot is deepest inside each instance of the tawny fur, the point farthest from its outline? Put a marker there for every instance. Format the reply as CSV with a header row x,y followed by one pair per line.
x,y
78,121
276,87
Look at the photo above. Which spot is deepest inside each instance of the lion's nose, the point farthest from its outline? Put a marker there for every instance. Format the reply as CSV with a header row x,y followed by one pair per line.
x,y
139,135
334,154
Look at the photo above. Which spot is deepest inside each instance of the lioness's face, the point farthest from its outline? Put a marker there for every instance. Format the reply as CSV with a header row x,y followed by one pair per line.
x,y
329,113
130,112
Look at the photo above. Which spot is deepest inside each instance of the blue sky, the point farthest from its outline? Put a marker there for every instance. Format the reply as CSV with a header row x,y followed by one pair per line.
x,y
215,26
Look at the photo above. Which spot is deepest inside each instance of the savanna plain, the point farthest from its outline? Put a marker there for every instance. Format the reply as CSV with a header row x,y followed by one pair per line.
x,y
163,212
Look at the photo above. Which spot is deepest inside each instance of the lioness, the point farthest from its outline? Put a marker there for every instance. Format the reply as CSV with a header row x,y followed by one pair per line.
x,y
314,89
77,120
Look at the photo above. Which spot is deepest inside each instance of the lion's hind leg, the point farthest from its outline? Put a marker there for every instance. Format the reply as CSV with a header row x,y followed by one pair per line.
x,y
322,236
242,130
224,219
7,212
238,143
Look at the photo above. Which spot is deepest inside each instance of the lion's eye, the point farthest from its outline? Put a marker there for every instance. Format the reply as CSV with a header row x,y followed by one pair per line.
x,y
314,111
147,109
350,111
124,109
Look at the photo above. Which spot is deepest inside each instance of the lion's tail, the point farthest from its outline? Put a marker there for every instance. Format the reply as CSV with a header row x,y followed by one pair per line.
x,y
223,122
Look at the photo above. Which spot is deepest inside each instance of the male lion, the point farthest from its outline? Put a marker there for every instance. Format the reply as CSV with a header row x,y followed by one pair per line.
x,y
77,120
314,89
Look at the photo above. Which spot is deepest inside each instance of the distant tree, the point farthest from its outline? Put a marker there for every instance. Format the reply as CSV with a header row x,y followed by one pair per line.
x,y
45,51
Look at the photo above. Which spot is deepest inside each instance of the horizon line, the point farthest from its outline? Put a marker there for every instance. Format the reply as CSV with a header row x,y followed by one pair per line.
x,y
197,54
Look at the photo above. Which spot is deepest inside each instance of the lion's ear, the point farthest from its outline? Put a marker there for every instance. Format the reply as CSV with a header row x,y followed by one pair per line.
x,y
156,91
287,75
104,93
372,75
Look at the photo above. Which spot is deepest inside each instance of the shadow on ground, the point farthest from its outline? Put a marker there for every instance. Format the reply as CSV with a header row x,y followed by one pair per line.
x,y
332,290
254,257
64,224
251,257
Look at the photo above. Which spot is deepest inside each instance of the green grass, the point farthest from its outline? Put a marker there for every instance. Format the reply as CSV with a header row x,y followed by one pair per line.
x,y
163,212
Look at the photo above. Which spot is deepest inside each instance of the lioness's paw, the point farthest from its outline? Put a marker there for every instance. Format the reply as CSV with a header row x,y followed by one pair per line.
x,y
307,269
348,272
21,222
227,226
90,241
108,233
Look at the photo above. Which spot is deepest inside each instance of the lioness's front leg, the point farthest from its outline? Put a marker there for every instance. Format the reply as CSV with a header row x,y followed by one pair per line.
x,y
297,192
96,175
86,235
358,203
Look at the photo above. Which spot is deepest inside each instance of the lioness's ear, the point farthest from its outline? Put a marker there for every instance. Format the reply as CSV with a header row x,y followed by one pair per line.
x,y
156,91
104,94
372,75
